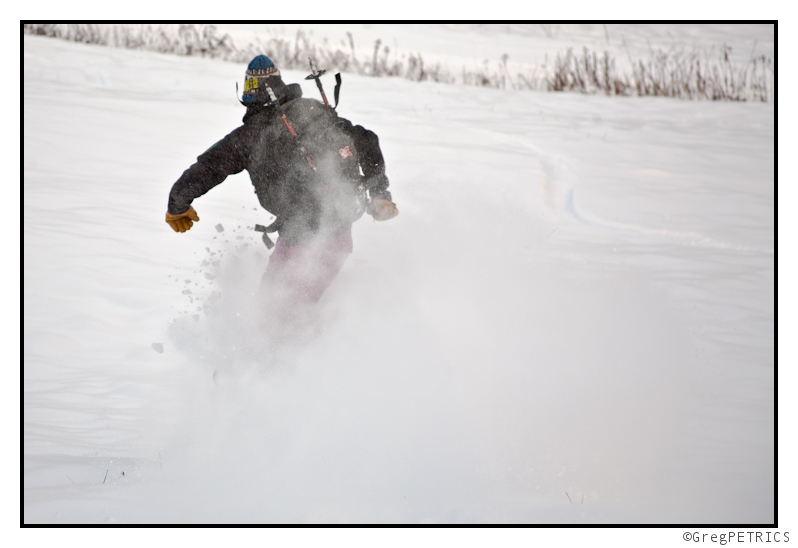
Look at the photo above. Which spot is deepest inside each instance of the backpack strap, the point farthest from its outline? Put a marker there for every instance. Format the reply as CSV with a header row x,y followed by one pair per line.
x,y
274,227
337,89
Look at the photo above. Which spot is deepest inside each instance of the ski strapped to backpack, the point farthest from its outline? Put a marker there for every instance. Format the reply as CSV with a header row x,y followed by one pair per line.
x,y
362,193
316,75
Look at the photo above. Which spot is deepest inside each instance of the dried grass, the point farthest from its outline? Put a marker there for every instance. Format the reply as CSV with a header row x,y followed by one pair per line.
x,y
685,76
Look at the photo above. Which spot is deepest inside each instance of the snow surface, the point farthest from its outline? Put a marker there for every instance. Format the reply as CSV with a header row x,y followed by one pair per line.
x,y
571,320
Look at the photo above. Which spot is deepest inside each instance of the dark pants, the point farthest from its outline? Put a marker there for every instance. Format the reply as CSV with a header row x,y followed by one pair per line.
x,y
304,272
296,278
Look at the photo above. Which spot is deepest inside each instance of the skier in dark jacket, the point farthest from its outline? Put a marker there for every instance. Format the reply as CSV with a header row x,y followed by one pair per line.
x,y
316,172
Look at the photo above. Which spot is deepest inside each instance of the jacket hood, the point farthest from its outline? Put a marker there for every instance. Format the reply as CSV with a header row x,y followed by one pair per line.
x,y
284,94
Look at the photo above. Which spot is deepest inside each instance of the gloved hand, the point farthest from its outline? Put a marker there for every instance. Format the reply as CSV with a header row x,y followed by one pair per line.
x,y
182,222
382,210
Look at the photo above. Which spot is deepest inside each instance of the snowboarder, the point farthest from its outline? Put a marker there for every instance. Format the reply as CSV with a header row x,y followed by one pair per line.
x,y
315,171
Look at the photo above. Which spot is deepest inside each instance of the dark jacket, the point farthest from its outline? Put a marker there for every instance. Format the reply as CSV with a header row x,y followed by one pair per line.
x,y
309,181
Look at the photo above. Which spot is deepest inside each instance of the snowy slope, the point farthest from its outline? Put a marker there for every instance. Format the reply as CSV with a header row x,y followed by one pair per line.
x,y
577,297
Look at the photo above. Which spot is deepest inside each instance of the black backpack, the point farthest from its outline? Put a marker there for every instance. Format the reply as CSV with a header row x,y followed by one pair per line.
x,y
327,164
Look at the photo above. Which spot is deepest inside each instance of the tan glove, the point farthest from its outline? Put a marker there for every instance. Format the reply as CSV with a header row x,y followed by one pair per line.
x,y
182,222
382,210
